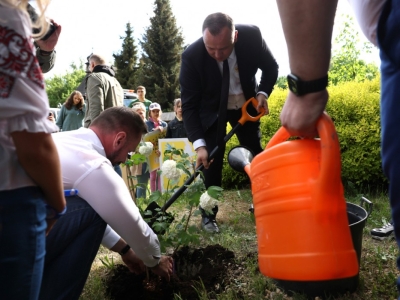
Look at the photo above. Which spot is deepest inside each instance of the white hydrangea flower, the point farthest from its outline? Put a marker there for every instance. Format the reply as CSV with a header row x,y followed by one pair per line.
x,y
146,148
207,202
170,171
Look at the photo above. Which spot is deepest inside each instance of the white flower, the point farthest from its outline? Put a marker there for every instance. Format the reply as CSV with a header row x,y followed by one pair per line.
x,y
207,202
146,148
170,171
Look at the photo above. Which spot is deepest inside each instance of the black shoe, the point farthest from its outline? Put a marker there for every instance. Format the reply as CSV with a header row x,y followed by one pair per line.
x,y
209,224
383,233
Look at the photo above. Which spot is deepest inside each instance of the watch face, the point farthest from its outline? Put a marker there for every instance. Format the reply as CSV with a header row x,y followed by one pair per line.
x,y
292,83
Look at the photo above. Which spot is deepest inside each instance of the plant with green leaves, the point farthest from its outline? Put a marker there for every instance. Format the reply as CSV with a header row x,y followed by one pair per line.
x,y
108,262
172,232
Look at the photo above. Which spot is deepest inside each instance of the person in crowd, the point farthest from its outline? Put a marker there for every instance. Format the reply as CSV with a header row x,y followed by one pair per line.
x,y
176,128
141,92
72,112
31,190
102,91
217,76
308,29
87,156
154,122
141,171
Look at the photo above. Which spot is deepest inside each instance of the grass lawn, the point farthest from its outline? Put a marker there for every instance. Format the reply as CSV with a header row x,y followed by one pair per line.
x,y
378,270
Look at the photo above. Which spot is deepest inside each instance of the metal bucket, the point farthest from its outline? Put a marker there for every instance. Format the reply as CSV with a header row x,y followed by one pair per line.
x,y
357,217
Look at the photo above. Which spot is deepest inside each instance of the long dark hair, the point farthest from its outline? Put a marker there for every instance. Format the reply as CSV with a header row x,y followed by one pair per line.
x,y
70,101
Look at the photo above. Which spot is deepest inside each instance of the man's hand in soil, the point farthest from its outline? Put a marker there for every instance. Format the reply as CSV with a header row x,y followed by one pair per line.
x,y
134,263
164,268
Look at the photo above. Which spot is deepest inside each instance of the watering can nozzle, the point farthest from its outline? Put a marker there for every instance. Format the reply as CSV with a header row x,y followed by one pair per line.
x,y
239,157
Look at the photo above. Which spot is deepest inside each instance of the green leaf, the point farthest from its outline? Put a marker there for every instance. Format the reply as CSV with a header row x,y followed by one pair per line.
x,y
215,192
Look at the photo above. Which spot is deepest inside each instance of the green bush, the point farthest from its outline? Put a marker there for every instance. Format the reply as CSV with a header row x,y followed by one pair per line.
x,y
354,108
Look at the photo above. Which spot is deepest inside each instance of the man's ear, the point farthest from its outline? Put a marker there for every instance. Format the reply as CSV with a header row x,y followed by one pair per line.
x,y
120,140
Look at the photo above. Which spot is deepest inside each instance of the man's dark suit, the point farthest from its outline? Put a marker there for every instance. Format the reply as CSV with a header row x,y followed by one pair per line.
x,y
200,80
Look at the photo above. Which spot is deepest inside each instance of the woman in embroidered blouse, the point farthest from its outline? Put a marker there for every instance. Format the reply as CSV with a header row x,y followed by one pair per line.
x,y
154,123
72,113
30,173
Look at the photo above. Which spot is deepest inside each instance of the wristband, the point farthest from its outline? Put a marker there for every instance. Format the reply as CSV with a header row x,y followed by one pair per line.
x,y
124,250
45,53
52,214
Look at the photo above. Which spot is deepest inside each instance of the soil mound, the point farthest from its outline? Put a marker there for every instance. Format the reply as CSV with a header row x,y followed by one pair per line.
x,y
209,267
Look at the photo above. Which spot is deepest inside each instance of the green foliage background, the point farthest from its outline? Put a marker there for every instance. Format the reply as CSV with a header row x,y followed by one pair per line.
x,y
59,87
354,108
126,59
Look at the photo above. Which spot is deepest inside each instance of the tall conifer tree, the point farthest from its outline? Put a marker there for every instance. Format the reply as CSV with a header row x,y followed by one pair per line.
x,y
126,60
159,65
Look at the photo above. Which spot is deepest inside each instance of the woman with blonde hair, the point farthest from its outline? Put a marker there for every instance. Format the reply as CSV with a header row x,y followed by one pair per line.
x,y
31,189
72,112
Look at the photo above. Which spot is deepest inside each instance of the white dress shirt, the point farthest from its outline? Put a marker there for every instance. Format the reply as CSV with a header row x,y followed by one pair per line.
x,y
85,167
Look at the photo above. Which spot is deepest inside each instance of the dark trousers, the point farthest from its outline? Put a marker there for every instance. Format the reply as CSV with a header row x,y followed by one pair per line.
x,y
249,135
71,247
389,45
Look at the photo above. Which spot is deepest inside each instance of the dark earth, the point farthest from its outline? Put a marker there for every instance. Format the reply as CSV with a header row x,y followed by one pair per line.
x,y
211,267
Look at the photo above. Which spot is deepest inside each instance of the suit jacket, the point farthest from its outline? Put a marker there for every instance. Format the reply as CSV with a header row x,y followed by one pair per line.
x,y
200,78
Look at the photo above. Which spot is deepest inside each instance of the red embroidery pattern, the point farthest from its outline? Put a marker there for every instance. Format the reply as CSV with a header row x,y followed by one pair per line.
x,y
16,60
6,84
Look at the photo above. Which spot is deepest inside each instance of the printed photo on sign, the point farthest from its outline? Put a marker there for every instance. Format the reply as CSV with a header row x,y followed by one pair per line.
x,y
153,137
178,143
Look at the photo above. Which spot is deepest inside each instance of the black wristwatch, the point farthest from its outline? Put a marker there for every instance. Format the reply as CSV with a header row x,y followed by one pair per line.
x,y
52,214
300,87
124,250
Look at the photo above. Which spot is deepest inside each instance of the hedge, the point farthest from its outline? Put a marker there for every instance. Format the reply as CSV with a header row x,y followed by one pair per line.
x,y
354,108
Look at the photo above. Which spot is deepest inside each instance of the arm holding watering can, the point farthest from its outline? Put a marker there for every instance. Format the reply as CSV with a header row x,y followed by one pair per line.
x,y
309,48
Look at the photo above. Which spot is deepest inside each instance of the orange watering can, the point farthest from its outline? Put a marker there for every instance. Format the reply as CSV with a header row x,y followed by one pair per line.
x,y
301,215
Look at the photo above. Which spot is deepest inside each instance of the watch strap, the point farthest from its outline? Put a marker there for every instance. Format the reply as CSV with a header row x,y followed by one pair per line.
x,y
300,87
124,250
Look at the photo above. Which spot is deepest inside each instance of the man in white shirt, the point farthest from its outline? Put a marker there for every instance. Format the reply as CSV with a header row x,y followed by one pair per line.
x,y
87,157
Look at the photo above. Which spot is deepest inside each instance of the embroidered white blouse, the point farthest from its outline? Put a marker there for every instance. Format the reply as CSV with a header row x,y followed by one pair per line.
x,y
23,101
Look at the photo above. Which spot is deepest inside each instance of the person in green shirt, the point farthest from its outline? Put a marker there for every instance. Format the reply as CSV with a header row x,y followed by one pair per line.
x,y
72,113
141,92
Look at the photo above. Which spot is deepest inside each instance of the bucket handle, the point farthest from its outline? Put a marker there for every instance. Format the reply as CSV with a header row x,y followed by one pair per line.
x,y
370,205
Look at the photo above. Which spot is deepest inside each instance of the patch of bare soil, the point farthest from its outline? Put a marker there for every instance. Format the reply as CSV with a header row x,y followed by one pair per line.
x,y
213,267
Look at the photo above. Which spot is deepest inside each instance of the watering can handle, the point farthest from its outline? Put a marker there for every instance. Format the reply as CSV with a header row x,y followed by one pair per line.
x,y
330,153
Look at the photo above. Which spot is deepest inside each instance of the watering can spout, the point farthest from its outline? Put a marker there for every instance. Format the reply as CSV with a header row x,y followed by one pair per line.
x,y
239,158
